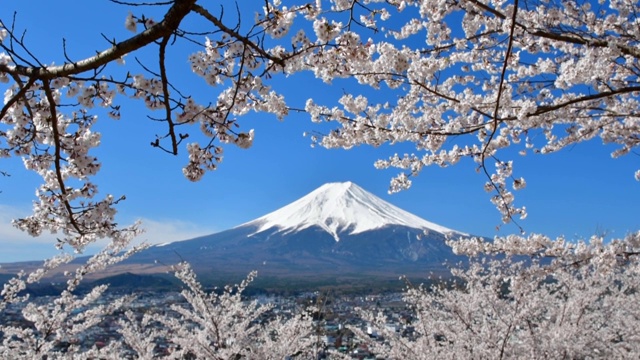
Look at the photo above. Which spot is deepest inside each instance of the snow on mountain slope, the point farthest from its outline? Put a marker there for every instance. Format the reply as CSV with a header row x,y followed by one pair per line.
x,y
339,207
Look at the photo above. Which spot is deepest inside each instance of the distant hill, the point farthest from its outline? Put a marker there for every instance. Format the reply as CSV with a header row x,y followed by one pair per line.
x,y
128,281
121,283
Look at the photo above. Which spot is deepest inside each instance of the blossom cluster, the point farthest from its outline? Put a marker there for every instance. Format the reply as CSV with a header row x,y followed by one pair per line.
x,y
524,85
514,308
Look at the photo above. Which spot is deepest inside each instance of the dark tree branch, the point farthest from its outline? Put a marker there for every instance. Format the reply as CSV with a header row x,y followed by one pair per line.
x,y
165,92
164,28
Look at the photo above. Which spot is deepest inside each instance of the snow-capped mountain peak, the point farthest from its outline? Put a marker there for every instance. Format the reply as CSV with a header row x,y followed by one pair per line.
x,y
340,207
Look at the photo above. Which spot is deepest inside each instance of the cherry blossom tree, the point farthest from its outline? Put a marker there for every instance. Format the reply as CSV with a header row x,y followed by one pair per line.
x,y
579,305
219,326
478,79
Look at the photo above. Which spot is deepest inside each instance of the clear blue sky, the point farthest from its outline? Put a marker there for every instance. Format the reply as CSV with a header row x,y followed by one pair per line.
x,y
574,193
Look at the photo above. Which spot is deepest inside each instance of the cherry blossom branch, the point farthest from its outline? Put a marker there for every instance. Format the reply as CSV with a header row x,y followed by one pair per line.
x,y
627,50
19,95
234,34
499,188
58,157
550,108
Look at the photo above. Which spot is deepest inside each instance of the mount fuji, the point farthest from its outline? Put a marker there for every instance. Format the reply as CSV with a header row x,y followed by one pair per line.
x,y
338,208
339,229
